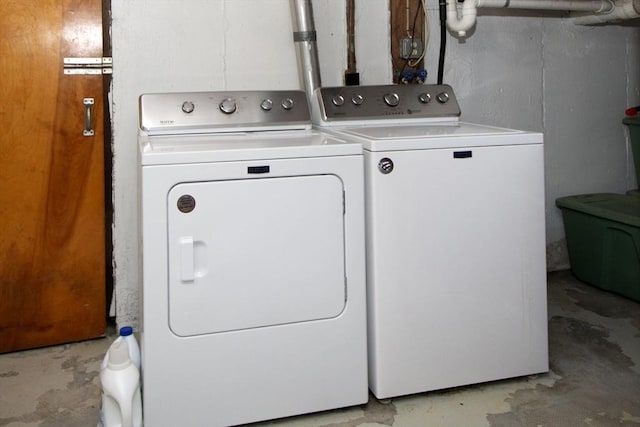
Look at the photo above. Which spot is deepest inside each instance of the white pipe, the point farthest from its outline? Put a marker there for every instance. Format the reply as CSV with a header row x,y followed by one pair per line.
x,y
463,23
596,6
624,9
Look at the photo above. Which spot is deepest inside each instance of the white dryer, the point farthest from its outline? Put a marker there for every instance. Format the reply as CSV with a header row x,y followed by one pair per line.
x,y
456,274
252,260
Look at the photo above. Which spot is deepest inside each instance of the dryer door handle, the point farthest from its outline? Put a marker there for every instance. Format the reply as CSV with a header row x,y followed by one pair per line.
x,y
186,259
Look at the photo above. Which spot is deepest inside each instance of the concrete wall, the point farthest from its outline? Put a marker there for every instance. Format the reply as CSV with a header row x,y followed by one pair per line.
x,y
526,72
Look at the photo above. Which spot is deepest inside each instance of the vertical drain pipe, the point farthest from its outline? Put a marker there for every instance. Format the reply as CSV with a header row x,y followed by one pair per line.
x,y
304,36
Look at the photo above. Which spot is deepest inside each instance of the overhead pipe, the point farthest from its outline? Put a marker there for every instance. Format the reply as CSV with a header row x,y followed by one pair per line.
x,y
595,6
462,20
623,10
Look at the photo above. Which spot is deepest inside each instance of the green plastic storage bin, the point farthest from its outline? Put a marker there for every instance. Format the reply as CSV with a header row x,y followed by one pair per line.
x,y
603,238
634,135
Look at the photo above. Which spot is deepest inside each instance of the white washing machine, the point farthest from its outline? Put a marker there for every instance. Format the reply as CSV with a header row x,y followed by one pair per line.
x,y
455,230
252,260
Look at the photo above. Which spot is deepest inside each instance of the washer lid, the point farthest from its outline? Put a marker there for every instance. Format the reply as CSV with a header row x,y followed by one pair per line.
x,y
436,135
183,149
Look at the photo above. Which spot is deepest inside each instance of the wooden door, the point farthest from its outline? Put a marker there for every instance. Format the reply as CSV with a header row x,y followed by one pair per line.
x,y
52,204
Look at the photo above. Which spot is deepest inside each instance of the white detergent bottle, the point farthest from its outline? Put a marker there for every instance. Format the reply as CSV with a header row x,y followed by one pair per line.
x,y
120,379
126,334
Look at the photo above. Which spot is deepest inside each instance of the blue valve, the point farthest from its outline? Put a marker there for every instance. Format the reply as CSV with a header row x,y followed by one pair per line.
x,y
408,76
422,75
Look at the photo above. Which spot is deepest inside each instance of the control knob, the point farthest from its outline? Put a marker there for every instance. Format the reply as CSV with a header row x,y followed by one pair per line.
x,y
357,99
266,104
287,103
338,100
442,97
188,107
424,98
228,106
391,99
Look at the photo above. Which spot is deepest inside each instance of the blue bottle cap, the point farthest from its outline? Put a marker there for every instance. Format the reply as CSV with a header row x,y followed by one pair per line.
x,y
125,331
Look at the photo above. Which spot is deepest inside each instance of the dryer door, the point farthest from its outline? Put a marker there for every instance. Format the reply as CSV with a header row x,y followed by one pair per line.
x,y
253,253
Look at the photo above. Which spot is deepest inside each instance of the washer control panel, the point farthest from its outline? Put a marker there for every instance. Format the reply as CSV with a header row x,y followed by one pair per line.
x,y
223,111
387,102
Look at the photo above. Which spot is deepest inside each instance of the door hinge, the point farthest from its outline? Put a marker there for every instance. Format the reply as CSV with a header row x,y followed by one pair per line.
x,y
85,66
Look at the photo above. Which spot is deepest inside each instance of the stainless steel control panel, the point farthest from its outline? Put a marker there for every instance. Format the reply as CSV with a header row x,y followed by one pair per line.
x,y
223,111
387,102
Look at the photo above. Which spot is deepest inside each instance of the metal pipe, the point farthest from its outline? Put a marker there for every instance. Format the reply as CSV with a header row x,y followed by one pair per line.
x,y
304,36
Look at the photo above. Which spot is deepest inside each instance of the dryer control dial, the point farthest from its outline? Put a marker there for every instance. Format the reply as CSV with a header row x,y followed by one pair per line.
x,y
287,103
188,107
267,104
338,100
424,98
391,99
228,106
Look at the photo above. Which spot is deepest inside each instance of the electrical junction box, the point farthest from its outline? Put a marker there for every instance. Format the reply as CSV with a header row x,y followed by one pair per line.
x,y
410,48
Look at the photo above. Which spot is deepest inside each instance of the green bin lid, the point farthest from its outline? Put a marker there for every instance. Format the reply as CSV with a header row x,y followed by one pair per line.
x,y
631,121
616,207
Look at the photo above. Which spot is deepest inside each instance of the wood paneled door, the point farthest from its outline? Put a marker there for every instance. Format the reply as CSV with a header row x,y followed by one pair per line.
x,y
52,197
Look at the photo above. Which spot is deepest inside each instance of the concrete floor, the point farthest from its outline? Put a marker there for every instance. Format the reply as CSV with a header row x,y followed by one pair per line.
x,y
594,340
